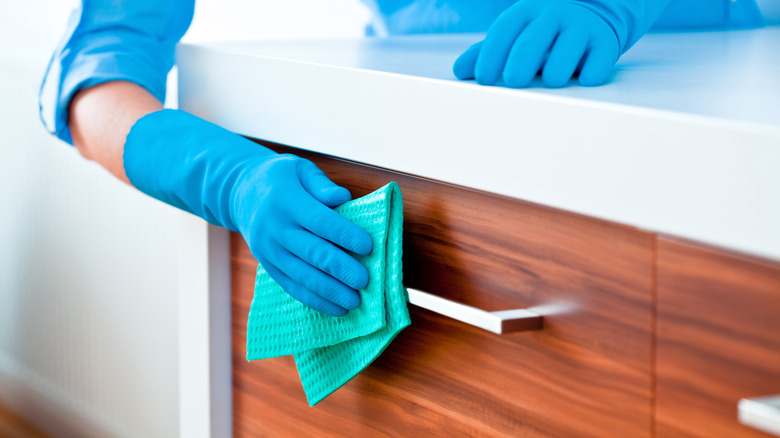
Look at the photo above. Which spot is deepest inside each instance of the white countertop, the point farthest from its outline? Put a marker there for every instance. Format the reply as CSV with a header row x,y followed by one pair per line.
x,y
685,140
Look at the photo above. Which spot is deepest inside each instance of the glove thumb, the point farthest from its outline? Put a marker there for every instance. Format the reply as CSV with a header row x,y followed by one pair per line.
x,y
464,66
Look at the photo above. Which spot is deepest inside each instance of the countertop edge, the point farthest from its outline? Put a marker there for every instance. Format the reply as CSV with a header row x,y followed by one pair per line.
x,y
710,179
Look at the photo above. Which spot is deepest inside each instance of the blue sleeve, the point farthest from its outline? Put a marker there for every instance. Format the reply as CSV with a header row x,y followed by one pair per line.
x,y
403,17
110,40
399,17
709,14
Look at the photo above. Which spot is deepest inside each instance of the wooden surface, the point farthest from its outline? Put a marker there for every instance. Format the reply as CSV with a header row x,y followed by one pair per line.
x,y
14,426
718,338
588,372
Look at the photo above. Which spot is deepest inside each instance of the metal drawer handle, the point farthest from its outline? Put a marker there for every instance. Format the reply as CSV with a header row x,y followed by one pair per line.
x,y
501,321
762,413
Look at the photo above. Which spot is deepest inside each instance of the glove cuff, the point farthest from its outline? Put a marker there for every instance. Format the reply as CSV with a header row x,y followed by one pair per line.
x,y
188,163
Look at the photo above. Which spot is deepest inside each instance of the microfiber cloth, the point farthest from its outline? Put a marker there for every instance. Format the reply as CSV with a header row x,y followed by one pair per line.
x,y
330,351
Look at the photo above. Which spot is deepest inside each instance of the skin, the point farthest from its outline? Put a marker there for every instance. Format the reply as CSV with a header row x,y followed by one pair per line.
x,y
100,118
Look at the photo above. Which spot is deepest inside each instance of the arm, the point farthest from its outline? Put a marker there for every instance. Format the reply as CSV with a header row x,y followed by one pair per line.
x,y
109,80
101,117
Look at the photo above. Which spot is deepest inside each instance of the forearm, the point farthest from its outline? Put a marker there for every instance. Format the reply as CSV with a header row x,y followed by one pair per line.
x,y
100,118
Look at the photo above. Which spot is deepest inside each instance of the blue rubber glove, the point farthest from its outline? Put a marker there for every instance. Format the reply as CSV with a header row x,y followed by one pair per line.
x,y
281,204
557,38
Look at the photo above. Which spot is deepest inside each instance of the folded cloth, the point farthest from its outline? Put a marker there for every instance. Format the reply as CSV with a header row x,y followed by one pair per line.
x,y
330,351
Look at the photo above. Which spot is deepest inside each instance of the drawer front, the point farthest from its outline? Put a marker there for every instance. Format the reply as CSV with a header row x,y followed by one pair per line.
x,y
587,372
718,338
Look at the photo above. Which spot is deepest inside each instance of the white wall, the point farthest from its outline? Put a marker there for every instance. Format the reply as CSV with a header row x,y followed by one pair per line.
x,y
87,317
88,266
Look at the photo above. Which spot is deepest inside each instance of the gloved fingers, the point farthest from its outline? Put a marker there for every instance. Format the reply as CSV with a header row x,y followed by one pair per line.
x,y
314,280
320,186
527,54
599,60
464,66
306,297
326,257
331,226
565,56
497,44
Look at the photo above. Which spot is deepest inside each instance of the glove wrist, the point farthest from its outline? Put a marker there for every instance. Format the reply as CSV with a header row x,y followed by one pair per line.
x,y
189,163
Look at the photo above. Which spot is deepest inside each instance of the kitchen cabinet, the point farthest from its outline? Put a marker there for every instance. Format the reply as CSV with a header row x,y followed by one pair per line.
x,y
718,337
595,368
640,219
587,371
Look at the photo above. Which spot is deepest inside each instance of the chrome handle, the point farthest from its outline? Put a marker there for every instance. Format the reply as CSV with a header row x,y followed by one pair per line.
x,y
501,321
762,413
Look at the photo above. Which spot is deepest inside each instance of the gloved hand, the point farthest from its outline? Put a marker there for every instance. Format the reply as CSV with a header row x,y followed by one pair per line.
x,y
281,204
558,38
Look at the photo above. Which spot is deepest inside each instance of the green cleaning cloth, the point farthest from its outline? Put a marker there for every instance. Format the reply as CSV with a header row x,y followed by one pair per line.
x,y
329,351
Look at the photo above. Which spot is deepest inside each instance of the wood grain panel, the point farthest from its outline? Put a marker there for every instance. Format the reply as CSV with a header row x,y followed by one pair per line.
x,y
718,338
14,426
586,373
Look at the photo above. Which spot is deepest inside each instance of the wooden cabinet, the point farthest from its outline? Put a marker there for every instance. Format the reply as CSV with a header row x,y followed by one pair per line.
x,y
587,372
643,335
718,338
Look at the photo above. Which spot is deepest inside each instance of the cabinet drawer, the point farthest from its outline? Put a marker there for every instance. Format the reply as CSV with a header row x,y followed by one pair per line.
x,y
718,338
587,372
